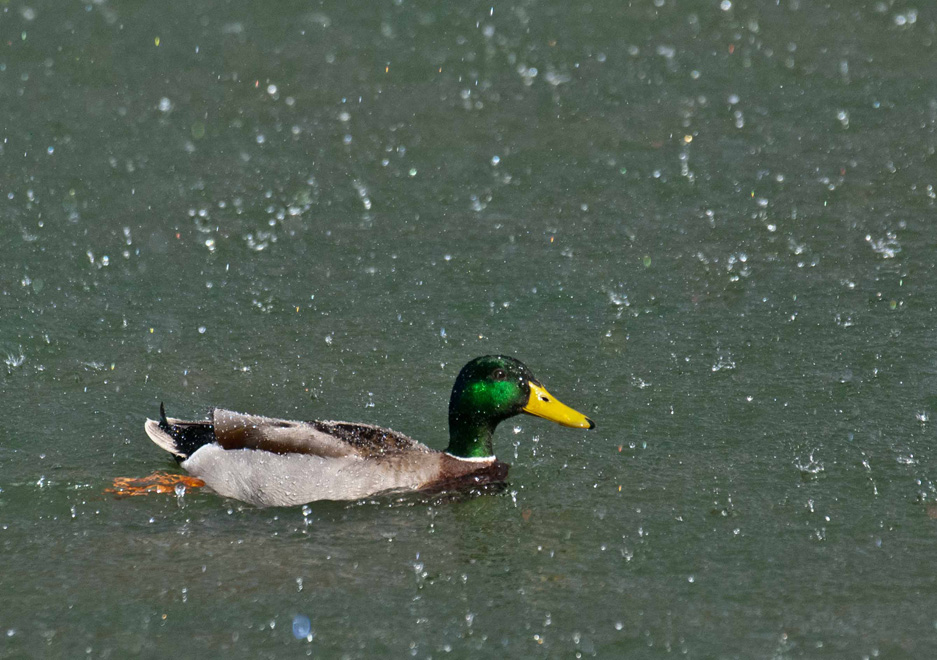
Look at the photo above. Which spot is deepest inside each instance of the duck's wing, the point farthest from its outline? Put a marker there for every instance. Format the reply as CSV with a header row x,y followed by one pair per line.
x,y
234,430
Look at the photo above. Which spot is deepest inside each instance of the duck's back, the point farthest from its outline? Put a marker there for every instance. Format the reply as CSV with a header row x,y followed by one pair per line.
x,y
328,439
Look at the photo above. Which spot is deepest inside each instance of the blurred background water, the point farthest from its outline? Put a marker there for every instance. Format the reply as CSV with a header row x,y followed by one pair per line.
x,y
708,225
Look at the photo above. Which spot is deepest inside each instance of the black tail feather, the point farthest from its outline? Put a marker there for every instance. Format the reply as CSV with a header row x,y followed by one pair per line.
x,y
189,436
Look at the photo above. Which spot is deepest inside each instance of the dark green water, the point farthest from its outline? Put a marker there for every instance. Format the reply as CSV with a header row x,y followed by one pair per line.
x,y
709,228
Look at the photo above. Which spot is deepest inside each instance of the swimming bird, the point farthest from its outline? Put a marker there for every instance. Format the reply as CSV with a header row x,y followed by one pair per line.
x,y
275,462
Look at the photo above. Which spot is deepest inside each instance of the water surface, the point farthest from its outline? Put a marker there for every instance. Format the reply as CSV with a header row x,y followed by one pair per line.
x,y
708,226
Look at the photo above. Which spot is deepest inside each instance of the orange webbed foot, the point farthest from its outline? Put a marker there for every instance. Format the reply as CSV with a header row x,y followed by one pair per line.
x,y
158,482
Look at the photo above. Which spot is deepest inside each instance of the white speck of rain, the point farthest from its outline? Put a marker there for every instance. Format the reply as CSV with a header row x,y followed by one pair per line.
x,y
362,194
908,18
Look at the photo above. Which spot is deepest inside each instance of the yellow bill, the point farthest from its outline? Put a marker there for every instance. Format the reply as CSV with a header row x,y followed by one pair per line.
x,y
543,404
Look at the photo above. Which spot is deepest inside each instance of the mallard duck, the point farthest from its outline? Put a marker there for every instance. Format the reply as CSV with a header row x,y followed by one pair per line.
x,y
275,462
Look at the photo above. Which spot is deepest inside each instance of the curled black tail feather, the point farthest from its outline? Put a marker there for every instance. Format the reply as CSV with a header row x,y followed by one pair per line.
x,y
189,437
163,422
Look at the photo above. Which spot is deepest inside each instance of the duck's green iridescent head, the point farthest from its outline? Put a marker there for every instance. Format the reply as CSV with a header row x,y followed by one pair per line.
x,y
492,388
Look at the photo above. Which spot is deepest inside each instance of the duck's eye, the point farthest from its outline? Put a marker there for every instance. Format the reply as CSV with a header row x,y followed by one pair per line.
x,y
498,374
